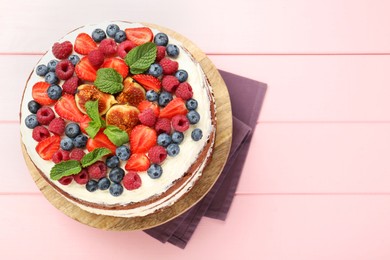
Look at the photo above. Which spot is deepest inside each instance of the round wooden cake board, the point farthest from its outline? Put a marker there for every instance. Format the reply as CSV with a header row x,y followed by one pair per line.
x,y
203,185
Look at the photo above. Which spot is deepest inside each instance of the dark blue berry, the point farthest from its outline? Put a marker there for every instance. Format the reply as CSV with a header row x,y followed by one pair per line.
x,y
31,121
164,98
164,139
51,78
54,92
112,161
191,104
155,70
116,174
41,70
98,35
74,59
155,171
161,39
111,30
66,144
173,150
123,152
193,117
104,183
91,185
72,130
120,36
80,141
116,189
151,95
172,50
177,137
33,106
196,134
181,75
51,65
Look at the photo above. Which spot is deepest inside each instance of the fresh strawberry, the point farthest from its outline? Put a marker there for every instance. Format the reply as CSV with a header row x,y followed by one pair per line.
x,y
148,82
176,107
137,162
67,109
147,104
139,35
142,138
118,64
100,140
39,93
85,70
84,44
48,146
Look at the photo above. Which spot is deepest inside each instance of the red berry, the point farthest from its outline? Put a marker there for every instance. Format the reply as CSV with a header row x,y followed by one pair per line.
x,y
70,85
39,133
180,123
57,126
184,91
169,66
60,155
44,115
132,181
82,177
108,47
170,83
160,53
77,154
157,154
96,58
62,50
48,146
39,93
64,69
97,170
147,117
125,47
163,125
66,180
84,44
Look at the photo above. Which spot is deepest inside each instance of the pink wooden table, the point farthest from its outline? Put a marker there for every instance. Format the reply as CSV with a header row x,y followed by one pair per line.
x,y
316,184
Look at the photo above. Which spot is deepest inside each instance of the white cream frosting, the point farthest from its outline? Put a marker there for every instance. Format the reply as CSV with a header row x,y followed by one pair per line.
x,y
173,167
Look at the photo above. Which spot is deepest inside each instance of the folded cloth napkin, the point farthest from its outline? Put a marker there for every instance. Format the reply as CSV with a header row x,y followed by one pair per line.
x,y
246,97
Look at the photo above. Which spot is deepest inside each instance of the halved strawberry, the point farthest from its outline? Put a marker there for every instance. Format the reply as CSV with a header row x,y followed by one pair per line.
x,y
118,64
148,82
48,146
67,109
84,44
137,162
176,107
142,138
85,70
147,104
100,140
139,35
39,93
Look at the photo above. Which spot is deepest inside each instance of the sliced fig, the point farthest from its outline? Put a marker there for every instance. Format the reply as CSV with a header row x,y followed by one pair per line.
x,y
123,116
88,92
132,93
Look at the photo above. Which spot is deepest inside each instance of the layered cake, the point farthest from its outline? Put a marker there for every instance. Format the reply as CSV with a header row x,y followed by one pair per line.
x,y
119,118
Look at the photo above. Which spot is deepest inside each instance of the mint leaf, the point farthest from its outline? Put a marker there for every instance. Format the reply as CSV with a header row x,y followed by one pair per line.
x,y
94,156
108,80
96,122
65,168
93,128
141,57
116,135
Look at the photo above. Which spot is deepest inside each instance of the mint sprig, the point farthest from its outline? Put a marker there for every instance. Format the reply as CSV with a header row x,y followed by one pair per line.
x,y
108,80
65,168
94,156
92,108
116,135
141,57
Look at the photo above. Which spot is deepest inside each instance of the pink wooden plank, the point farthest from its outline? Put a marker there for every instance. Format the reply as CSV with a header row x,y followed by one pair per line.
x,y
254,26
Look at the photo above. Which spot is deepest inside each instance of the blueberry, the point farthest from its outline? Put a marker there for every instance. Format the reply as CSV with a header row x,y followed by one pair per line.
x,y
74,59
181,75
51,65
116,189
98,35
41,70
116,174
151,95
164,98
51,78
120,36
33,106
54,92
72,130
177,137
123,152
155,171
172,50
80,141
112,161
91,185
31,121
66,144
191,104
173,150
111,30
161,39
164,139
196,134
155,70
193,117
104,183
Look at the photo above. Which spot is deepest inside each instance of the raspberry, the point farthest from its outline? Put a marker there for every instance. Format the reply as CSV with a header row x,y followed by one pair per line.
x,y
160,53
180,123
97,170
147,117
163,125
82,177
169,66
124,48
60,155
157,154
66,180
39,133
64,69
62,50
77,154
57,126
96,58
44,115
184,91
132,181
108,47
70,85
170,83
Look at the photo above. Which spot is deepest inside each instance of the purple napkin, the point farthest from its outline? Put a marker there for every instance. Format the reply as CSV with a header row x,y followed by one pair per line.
x,y
246,97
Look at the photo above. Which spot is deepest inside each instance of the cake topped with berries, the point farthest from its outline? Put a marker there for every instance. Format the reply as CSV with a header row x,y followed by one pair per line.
x,y
119,118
